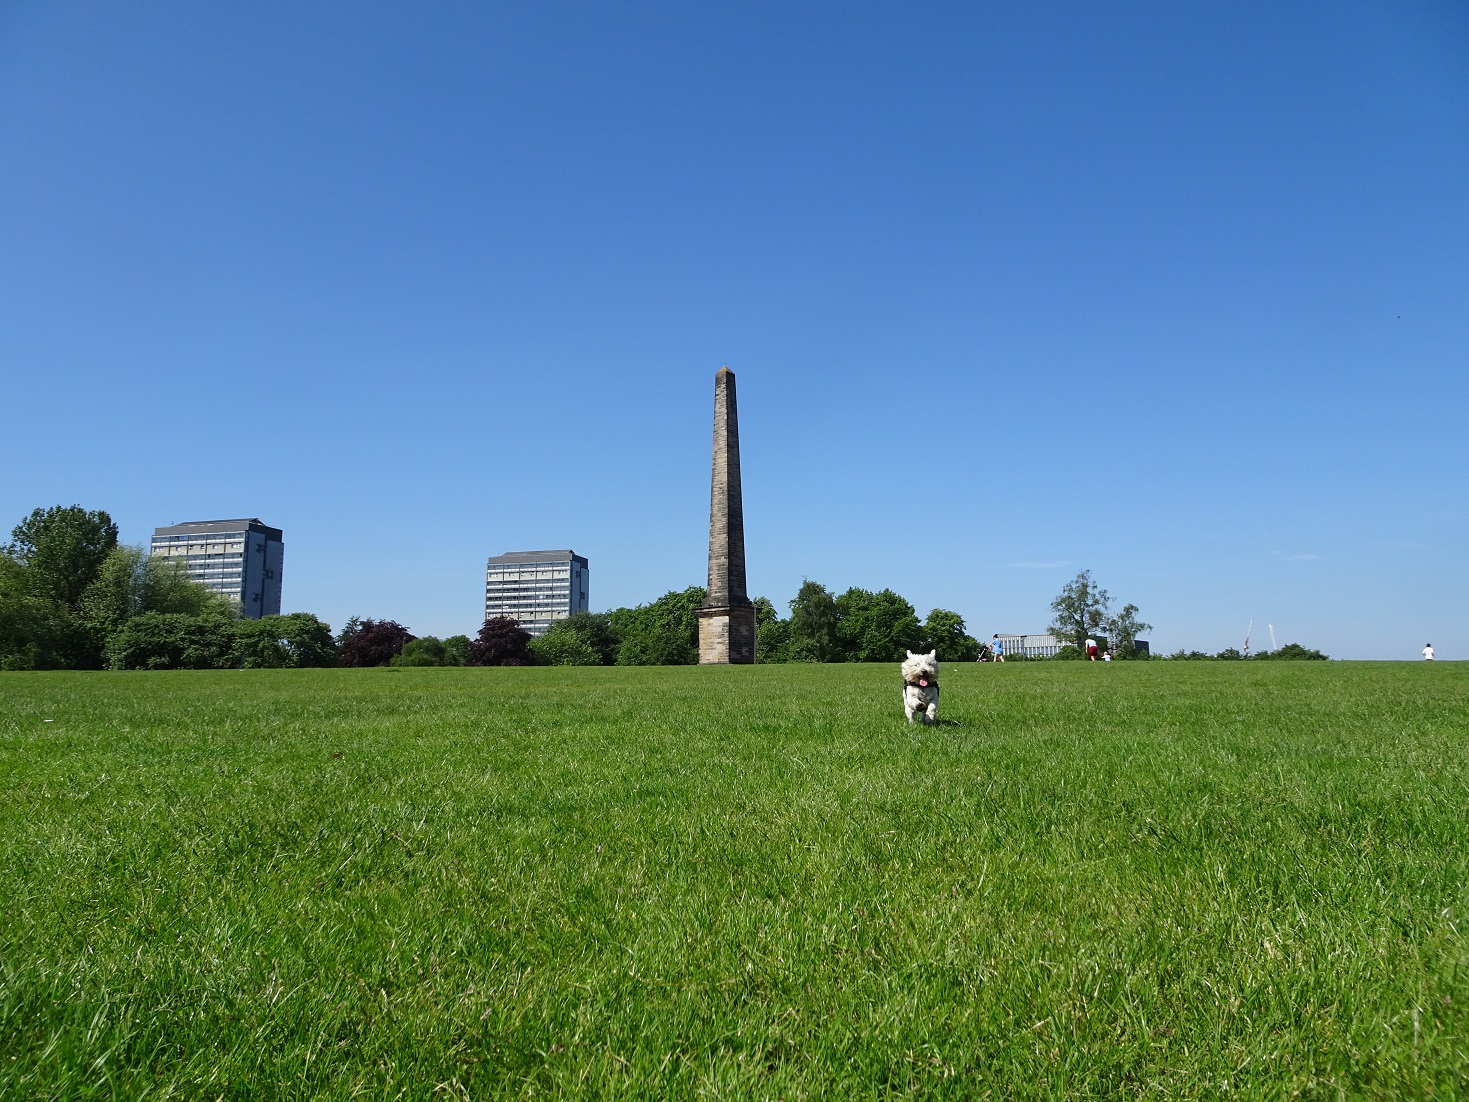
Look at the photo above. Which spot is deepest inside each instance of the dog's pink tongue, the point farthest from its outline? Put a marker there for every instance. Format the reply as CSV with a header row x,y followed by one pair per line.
x,y
922,683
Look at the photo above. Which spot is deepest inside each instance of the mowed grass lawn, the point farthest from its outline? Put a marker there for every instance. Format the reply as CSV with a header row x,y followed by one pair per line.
x,y
1162,880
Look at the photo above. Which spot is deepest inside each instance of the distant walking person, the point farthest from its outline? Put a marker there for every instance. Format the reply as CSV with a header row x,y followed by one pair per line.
x,y
1428,652
1091,649
997,648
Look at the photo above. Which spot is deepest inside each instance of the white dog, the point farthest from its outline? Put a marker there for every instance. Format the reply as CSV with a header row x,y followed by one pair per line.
x,y
921,686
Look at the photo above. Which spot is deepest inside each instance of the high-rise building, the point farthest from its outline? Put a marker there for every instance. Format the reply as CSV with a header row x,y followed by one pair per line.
x,y
535,588
240,558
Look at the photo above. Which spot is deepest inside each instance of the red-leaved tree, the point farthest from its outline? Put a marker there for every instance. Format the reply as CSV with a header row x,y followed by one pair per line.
x,y
373,643
501,642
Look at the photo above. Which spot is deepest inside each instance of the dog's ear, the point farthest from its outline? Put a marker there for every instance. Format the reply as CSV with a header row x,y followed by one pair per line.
x,y
934,653
910,654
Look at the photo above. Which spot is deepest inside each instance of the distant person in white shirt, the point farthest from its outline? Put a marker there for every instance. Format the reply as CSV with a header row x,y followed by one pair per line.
x,y
1428,652
1091,649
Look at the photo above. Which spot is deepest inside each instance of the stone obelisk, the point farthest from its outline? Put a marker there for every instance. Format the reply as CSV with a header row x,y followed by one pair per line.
x,y
727,618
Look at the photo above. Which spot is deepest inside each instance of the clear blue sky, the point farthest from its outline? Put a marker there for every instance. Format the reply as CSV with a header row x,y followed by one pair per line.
x,y
1176,292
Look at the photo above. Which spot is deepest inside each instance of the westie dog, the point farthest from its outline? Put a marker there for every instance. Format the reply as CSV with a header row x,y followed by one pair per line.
x,y
921,686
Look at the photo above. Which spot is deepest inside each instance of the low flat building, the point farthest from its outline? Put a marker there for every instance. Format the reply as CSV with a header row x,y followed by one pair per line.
x,y
1031,646
242,559
535,588
1046,646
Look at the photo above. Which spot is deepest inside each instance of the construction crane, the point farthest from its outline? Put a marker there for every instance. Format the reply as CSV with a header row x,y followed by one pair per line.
x,y
1245,650
1273,647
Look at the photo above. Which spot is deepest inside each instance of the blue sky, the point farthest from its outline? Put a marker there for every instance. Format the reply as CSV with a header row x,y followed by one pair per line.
x,y
1176,293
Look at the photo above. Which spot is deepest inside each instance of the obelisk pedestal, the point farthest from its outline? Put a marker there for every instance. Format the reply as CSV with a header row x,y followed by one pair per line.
x,y
727,618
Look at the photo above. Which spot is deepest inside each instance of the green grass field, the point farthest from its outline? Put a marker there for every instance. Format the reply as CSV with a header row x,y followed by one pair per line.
x,y
1169,880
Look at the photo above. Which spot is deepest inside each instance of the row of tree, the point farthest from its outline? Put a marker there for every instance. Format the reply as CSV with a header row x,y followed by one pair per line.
x,y
855,626
72,597
1291,652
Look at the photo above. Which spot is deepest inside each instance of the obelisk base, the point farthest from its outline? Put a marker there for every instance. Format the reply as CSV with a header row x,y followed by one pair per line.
x,y
727,636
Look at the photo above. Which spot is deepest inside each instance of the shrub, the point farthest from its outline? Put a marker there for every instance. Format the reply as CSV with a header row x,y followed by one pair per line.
x,y
1069,653
428,650
173,641
297,640
561,646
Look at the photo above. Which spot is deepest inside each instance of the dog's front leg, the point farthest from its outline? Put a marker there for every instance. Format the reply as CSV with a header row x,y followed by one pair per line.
x,y
908,709
931,714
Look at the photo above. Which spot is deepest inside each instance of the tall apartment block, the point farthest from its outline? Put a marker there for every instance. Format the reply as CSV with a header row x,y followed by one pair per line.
x,y
535,588
240,558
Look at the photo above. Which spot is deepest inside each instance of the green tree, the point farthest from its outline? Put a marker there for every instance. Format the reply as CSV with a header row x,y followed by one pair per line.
x,y
36,633
426,650
563,646
876,627
173,641
1122,632
52,558
595,631
297,640
664,633
130,582
1080,610
350,630
456,650
772,634
765,612
813,631
62,549
944,632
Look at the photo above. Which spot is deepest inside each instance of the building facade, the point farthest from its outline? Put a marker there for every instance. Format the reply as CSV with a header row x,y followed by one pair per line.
x,y
1031,646
535,588
242,559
